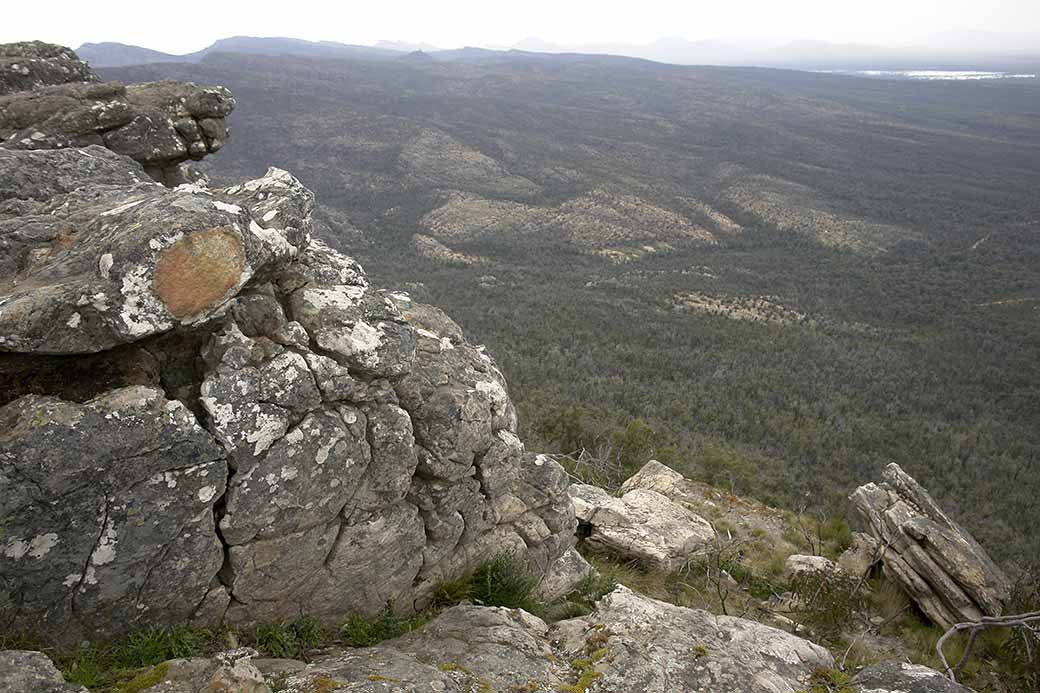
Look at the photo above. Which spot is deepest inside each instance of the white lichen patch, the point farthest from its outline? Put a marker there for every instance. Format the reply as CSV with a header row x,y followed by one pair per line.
x,y
268,429
73,320
495,393
142,312
206,493
361,341
105,552
225,207
275,241
269,215
105,263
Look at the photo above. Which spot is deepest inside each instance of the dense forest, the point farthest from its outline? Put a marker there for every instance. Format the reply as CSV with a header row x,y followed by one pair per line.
x,y
773,280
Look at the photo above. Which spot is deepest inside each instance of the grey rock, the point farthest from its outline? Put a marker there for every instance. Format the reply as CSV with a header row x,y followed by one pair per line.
x,y
142,260
939,564
797,566
632,642
34,64
900,677
22,671
49,99
859,559
360,450
657,647
120,534
565,576
642,524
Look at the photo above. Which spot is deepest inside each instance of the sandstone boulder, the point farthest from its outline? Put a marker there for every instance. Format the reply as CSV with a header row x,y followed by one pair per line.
x,y
642,524
939,564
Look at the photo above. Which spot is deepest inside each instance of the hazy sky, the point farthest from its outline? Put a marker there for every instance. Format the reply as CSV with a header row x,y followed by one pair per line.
x,y
180,28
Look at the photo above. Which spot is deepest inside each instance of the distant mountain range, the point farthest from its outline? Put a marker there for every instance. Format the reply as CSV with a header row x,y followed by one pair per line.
x,y
950,51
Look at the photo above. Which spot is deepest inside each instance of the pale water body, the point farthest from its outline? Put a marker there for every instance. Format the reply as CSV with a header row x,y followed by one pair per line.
x,y
933,75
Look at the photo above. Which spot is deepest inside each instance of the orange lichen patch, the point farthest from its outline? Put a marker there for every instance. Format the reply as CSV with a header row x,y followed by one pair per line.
x,y
198,271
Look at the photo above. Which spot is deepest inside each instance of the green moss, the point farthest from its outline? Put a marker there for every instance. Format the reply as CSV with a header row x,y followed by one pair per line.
x,y
146,679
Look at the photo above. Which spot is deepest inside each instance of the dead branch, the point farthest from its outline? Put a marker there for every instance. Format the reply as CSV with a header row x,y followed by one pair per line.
x,y
1026,624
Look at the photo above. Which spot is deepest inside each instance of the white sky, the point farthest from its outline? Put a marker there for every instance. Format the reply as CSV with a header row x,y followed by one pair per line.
x,y
181,28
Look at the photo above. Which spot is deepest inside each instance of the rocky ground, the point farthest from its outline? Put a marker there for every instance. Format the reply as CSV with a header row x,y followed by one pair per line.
x,y
212,419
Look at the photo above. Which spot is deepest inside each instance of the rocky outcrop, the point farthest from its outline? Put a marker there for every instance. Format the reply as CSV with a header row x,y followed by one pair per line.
x,y
642,524
257,431
629,644
160,124
34,64
939,564
22,671
900,677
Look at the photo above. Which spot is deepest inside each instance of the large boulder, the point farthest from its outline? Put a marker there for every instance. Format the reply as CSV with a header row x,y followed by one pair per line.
x,y
642,524
900,677
257,431
22,671
49,99
939,564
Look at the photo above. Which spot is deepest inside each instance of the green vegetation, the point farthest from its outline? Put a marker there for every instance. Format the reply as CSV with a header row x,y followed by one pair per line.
x,y
129,665
362,631
290,640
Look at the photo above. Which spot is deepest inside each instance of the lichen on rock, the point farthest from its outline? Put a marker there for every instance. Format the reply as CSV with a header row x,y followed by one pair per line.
x,y
259,432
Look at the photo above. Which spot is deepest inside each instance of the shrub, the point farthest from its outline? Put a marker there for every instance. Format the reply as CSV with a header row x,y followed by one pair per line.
x,y
290,640
505,580
364,631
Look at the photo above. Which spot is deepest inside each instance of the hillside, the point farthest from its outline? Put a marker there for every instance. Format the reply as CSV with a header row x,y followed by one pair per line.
x,y
782,280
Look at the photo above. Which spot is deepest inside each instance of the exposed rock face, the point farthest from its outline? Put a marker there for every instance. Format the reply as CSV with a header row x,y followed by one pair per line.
x,y
900,677
258,432
641,524
117,532
160,124
937,562
22,671
34,64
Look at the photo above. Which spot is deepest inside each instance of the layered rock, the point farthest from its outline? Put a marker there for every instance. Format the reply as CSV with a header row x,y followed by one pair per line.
x,y
160,124
210,416
939,564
